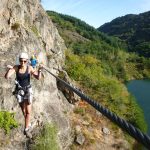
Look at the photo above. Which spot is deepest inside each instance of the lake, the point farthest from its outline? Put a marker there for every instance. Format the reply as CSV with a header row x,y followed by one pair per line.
x,y
141,91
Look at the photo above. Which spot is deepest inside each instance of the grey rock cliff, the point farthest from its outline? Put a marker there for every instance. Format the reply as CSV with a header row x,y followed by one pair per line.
x,y
25,27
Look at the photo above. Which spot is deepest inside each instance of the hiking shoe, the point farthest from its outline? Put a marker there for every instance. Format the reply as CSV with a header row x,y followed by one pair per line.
x,y
28,134
27,131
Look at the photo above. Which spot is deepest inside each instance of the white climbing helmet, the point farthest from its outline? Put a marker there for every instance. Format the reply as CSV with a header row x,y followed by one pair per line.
x,y
23,56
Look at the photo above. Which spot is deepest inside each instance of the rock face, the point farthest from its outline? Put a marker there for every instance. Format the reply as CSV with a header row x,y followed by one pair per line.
x,y
25,27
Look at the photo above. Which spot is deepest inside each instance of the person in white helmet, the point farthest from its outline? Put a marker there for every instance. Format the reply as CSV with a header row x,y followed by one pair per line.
x,y
23,90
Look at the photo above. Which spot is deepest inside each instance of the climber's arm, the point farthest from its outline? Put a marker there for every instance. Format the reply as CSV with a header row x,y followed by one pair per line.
x,y
36,74
11,70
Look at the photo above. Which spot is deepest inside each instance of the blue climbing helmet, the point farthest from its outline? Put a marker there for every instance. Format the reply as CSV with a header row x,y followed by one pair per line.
x,y
33,61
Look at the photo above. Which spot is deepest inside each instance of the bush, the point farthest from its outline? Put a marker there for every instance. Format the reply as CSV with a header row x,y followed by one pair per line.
x,y
15,26
35,30
80,111
7,121
136,115
47,140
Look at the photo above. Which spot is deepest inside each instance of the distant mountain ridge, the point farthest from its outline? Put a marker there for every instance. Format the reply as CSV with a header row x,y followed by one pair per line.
x,y
85,32
134,29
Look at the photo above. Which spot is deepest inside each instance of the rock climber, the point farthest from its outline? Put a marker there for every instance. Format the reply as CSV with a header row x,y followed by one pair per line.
x,y
23,92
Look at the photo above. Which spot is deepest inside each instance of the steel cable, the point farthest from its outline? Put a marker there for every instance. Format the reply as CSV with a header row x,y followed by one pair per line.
x,y
129,128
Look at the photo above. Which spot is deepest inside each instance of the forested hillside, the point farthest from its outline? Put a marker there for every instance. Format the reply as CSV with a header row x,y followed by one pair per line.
x,y
133,29
100,63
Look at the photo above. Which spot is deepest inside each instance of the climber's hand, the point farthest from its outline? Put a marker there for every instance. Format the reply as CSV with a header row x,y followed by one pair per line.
x,y
41,66
9,66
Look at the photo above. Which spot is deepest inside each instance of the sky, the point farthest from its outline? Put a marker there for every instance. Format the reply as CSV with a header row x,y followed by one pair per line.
x,y
97,12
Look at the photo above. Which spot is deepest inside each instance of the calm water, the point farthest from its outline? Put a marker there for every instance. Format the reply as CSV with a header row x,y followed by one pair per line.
x,y
141,90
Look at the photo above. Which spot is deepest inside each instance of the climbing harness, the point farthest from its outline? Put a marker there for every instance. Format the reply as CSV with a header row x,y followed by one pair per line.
x,y
22,93
129,128
20,90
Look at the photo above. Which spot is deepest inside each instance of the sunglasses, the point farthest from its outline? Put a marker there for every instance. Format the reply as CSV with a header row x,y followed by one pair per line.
x,y
23,61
